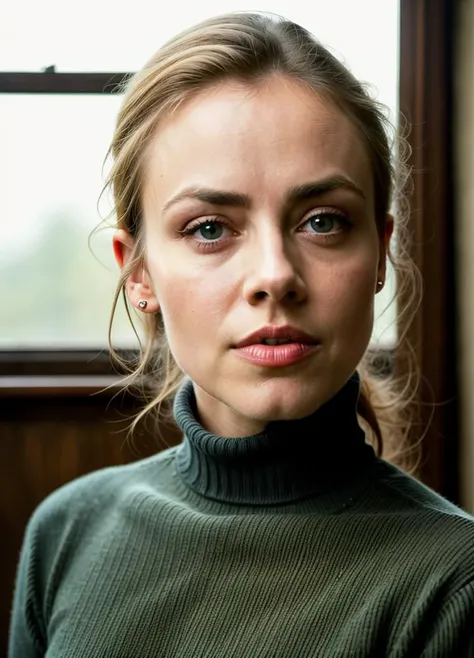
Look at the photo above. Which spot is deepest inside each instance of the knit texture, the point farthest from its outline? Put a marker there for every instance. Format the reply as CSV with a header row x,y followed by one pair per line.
x,y
294,543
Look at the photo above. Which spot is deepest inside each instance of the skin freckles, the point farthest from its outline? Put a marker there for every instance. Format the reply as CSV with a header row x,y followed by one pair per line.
x,y
266,262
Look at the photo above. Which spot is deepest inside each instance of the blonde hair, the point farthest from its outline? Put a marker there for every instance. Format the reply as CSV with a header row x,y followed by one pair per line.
x,y
248,47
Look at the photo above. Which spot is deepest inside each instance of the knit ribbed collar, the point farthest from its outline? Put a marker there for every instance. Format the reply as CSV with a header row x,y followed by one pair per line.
x,y
289,460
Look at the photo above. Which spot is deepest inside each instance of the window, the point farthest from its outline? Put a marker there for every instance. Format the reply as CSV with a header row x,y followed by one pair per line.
x,y
55,291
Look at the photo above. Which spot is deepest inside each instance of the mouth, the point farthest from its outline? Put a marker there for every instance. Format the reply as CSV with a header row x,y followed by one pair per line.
x,y
277,354
276,341
273,336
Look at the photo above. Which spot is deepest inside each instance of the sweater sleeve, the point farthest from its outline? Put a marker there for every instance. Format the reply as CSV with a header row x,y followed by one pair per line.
x,y
452,633
27,633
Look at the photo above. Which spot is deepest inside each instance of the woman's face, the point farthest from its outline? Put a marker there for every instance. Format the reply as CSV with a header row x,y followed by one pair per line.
x,y
286,182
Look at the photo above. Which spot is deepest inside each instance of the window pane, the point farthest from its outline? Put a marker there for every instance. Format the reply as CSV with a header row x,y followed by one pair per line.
x,y
54,291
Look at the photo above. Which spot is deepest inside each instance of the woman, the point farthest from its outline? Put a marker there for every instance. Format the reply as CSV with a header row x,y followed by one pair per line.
x,y
252,183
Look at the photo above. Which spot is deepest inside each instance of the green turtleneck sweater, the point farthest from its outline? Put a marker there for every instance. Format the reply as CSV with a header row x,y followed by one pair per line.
x,y
297,542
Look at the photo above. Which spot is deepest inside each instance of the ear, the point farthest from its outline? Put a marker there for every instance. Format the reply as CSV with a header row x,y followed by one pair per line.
x,y
138,284
384,247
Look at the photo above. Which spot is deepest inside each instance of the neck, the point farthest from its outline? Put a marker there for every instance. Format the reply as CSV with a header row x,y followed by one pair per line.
x,y
287,461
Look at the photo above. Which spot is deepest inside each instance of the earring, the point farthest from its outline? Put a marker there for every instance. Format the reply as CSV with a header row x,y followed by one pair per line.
x,y
142,304
380,285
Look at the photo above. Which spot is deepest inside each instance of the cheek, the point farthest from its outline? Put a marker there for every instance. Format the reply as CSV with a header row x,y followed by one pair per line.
x,y
192,307
347,300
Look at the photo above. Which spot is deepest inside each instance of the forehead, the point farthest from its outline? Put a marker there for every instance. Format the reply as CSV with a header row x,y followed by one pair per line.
x,y
258,139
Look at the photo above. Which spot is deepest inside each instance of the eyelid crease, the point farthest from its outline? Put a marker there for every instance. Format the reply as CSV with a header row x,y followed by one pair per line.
x,y
314,212
213,219
191,228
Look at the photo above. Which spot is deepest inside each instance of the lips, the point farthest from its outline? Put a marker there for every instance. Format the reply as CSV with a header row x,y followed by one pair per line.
x,y
286,332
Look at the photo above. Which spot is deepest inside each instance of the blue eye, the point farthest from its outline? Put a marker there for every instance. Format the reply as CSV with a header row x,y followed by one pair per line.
x,y
325,222
212,227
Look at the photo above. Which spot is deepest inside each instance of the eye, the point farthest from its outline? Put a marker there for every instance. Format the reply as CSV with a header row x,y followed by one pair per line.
x,y
328,222
211,229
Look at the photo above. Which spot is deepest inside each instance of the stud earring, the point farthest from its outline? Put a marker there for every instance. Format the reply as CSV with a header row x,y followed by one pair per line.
x,y
142,304
380,285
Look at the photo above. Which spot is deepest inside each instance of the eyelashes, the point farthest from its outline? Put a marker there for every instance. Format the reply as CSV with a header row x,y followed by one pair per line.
x,y
326,221
211,221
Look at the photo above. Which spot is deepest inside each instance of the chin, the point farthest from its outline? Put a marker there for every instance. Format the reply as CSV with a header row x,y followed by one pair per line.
x,y
241,405
280,400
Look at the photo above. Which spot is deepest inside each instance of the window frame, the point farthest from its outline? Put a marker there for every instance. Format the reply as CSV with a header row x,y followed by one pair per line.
x,y
427,36
51,82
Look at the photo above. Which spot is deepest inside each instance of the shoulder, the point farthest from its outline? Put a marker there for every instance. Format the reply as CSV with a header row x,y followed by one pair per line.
x,y
66,524
432,541
432,525
84,501
411,493
70,520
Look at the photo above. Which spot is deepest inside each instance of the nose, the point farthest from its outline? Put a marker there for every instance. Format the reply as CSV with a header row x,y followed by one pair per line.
x,y
273,274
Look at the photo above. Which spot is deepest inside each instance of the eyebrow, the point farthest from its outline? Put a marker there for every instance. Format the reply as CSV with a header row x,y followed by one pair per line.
x,y
297,194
